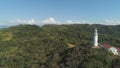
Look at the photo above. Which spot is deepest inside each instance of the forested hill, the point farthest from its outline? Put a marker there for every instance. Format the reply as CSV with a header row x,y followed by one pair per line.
x,y
57,46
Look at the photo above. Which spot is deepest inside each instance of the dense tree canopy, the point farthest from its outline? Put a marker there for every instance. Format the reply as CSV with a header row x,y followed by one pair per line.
x,y
57,46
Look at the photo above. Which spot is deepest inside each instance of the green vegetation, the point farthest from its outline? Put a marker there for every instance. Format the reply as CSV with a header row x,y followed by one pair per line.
x,y
57,46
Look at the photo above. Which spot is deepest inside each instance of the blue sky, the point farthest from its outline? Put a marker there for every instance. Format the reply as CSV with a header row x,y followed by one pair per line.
x,y
41,12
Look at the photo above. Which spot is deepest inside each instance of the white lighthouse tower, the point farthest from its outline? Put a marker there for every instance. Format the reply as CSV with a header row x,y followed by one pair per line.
x,y
95,39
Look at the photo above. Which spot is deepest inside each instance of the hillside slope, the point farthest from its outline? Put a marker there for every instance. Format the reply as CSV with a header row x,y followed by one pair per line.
x,y
31,46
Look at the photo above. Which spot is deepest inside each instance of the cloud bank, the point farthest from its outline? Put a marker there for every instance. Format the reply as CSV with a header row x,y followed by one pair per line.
x,y
112,22
52,20
21,21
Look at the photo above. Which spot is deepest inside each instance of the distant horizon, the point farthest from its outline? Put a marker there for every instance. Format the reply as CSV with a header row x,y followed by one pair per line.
x,y
7,26
40,12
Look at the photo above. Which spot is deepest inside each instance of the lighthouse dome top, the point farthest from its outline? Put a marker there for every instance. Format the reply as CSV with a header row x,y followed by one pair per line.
x,y
95,30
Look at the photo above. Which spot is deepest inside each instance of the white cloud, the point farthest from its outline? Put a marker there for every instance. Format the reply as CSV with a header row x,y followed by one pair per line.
x,y
1,23
69,22
21,21
50,20
111,22
78,22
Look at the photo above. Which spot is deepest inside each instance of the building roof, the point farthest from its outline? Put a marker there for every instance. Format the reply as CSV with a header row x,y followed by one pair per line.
x,y
107,46
118,49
